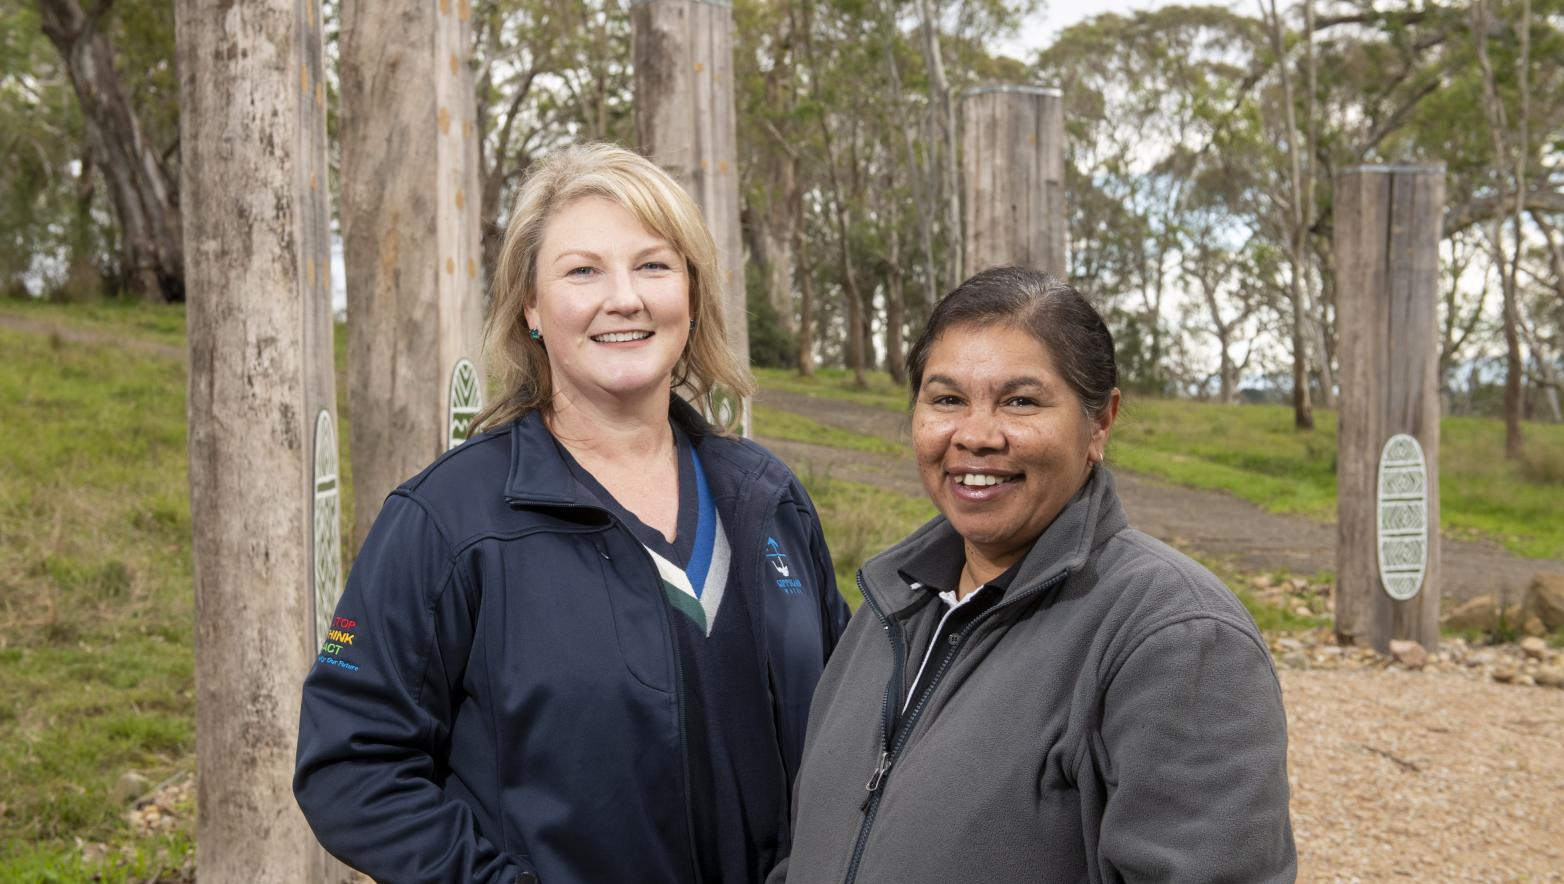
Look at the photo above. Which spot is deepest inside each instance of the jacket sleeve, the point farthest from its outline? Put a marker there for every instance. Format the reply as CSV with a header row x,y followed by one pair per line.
x,y
1196,745
378,706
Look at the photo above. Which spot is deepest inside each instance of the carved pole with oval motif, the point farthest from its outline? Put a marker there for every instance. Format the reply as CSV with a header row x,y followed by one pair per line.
x,y
262,406
410,239
1387,548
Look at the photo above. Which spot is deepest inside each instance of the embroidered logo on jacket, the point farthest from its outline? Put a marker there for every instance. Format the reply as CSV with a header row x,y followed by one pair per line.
x,y
778,561
339,638
776,557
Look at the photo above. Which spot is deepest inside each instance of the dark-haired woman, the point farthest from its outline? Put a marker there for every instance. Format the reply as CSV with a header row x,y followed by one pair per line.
x,y
1033,690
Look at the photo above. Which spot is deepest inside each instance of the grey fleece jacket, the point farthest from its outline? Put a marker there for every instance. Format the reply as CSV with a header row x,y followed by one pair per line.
x,y
1114,718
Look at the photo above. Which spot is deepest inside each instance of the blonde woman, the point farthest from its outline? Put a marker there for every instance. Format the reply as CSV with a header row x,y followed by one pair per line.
x,y
586,638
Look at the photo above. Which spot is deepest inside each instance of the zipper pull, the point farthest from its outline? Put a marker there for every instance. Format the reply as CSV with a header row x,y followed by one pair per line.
x,y
877,779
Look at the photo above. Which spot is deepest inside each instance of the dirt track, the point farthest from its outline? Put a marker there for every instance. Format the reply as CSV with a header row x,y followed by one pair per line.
x,y
1211,523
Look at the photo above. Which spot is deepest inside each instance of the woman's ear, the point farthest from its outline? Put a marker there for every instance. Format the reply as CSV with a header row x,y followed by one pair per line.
x,y
1102,426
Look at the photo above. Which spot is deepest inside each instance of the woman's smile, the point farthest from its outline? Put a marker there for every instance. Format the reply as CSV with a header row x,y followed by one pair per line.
x,y
626,337
980,486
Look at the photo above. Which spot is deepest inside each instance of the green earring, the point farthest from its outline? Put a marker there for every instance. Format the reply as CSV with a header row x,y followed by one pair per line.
x,y
534,334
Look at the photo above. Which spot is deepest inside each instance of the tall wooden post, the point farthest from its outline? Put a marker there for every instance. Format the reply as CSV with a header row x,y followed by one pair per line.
x,y
686,122
1013,178
257,234
411,238
1387,221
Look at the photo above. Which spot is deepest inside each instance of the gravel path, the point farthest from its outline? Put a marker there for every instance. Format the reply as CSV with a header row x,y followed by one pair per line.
x,y
1427,776
1208,522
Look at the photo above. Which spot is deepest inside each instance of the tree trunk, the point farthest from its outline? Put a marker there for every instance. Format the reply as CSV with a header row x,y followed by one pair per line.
x,y
263,448
685,119
855,335
1512,320
1321,321
1496,128
923,187
1549,377
411,239
776,241
854,317
1303,407
1229,380
895,298
806,298
1318,326
945,107
143,198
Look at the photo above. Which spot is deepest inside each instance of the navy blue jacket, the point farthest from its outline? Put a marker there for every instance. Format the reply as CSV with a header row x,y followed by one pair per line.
x,y
499,690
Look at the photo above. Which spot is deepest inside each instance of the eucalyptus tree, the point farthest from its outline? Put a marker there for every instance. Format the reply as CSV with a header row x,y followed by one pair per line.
x,y
1150,99
547,74
1460,309
49,231
1218,261
119,62
768,93
1478,87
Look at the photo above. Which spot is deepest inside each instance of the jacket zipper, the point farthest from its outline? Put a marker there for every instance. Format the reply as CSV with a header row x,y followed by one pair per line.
x,y
678,696
891,722
678,691
871,802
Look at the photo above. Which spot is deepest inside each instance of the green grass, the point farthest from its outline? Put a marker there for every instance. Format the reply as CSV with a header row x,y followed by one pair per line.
x,y
153,323
162,858
96,586
774,424
859,521
1481,494
837,384
95,577
1253,452
1250,451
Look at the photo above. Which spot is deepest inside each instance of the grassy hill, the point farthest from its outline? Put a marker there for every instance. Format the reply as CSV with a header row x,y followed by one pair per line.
x,y
96,658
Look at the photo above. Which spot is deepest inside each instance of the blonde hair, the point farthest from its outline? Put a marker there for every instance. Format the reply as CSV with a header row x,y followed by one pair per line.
x,y
517,364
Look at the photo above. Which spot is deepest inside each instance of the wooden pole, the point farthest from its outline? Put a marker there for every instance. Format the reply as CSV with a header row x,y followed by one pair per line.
x,y
257,234
1013,180
411,238
686,122
1387,221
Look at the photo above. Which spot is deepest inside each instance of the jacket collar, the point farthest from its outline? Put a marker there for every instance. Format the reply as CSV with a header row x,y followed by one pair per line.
x,y
538,475
1092,516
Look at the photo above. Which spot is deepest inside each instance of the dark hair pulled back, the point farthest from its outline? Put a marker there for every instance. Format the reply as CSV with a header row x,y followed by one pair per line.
x,y
1044,306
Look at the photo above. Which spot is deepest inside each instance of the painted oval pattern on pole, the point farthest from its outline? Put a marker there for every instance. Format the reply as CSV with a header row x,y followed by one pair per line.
x,y
727,410
328,530
466,401
1402,517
